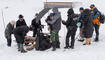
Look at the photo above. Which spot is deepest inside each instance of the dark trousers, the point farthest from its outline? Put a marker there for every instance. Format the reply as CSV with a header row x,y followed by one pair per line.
x,y
34,33
57,43
38,38
71,33
9,41
97,31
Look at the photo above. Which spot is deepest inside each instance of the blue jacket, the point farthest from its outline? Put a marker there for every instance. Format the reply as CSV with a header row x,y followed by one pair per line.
x,y
96,13
81,17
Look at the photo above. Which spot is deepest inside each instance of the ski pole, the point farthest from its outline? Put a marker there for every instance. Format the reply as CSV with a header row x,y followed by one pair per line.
x,y
3,18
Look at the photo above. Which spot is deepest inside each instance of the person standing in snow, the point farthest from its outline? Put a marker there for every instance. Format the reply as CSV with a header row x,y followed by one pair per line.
x,y
36,26
88,26
71,28
55,22
20,33
96,21
21,21
9,32
80,24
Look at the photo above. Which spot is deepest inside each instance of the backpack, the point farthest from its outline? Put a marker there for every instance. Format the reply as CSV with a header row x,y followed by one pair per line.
x,y
102,18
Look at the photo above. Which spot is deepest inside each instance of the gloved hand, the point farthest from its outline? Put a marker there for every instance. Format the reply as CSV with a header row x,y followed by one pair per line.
x,y
63,22
79,24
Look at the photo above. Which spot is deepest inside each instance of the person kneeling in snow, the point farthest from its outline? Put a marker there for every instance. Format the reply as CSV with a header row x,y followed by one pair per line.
x,y
9,32
42,42
20,33
71,28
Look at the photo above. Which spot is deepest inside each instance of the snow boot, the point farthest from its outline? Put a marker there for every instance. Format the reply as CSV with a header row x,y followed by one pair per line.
x,y
9,45
23,51
85,44
54,49
19,50
54,46
66,47
58,46
81,40
72,47
87,41
96,39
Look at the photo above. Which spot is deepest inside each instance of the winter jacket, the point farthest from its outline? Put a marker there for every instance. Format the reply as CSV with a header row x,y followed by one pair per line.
x,y
35,25
71,24
96,16
9,30
48,19
56,22
88,24
18,23
81,19
20,33
72,19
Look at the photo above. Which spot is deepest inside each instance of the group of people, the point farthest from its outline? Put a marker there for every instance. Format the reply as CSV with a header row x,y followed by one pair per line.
x,y
87,21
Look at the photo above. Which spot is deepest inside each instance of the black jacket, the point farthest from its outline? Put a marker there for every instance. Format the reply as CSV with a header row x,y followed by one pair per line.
x,y
18,23
36,25
20,33
71,21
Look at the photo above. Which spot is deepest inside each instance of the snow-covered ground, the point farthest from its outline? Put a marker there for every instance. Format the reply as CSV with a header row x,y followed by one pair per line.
x,y
12,8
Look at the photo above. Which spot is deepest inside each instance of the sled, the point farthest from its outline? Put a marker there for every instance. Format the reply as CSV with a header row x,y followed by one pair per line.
x,y
29,39
31,47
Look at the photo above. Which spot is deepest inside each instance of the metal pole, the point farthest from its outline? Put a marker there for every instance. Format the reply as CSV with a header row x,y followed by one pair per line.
x,y
3,18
